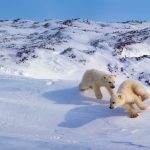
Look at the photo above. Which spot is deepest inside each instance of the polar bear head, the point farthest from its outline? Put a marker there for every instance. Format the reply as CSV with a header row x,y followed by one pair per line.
x,y
117,100
109,81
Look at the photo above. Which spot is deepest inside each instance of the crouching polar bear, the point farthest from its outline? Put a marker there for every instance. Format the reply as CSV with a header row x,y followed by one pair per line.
x,y
130,92
96,79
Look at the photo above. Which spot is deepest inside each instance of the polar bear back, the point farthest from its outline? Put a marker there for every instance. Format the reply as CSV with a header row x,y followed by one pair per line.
x,y
94,76
132,86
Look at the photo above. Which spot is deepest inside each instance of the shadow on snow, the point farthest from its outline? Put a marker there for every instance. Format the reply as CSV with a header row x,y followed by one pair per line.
x,y
84,114
69,96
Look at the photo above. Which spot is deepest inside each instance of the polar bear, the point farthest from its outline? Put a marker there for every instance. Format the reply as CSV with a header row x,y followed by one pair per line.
x,y
95,79
130,92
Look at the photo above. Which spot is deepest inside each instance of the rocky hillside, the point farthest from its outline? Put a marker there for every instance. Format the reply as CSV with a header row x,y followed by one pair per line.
x,y
63,48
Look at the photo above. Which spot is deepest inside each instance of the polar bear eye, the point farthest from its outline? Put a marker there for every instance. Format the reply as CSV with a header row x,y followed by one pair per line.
x,y
109,82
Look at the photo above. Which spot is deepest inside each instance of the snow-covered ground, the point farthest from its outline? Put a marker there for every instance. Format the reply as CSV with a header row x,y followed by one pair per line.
x,y
55,115
41,65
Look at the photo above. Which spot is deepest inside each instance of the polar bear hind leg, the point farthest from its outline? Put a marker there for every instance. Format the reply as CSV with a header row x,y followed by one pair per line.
x,y
85,84
141,91
140,103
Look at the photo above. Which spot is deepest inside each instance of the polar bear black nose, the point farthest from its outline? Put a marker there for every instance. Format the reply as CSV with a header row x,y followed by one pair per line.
x,y
112,86
110,107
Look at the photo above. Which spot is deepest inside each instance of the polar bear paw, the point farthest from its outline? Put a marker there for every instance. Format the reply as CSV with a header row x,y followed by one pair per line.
x,y
134,115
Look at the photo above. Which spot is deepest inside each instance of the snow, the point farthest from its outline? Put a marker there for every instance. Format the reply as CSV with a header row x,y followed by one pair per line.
x,y
41,106
54,114
137,50
27,47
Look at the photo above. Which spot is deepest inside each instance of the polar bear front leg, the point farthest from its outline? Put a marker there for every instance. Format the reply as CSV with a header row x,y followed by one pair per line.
x,y
133,112
139,103
97,91
111,91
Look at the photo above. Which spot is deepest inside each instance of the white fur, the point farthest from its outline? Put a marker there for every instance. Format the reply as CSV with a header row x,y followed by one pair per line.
x,y
96,79
130,92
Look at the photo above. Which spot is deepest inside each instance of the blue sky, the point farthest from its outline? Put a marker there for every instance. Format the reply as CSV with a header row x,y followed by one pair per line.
x,y
99,10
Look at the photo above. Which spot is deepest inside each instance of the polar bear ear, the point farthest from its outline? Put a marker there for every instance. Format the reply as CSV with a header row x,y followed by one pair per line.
x,y
114,76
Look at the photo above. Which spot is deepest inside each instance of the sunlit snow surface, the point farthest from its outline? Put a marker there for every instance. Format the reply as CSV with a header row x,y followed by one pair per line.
x,y
54,114
41,65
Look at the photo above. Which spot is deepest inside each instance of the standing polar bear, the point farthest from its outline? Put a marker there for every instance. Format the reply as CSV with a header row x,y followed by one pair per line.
x,y
96,79
130,92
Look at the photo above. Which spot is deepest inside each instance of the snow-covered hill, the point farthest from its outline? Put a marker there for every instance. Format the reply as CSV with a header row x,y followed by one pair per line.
x,y
66,48
41,65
